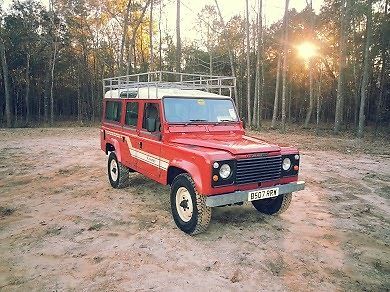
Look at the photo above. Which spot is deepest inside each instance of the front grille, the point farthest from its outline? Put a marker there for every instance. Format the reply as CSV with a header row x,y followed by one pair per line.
x,y
258,169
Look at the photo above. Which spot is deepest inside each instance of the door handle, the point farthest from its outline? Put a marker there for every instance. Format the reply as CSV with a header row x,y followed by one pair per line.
x,y
140,145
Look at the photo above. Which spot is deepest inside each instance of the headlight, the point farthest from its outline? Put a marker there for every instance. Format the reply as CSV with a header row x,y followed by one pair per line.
x,y
224,171
286,164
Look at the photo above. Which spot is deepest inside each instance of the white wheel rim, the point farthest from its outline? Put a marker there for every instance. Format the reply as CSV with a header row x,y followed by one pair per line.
x,y
184,204
114,170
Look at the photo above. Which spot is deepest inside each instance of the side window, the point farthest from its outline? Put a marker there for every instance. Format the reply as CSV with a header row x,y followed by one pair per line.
x,y
131,114
151,120
113,111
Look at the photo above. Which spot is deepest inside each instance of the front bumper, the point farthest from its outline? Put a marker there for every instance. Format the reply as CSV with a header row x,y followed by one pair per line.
x,y
242,196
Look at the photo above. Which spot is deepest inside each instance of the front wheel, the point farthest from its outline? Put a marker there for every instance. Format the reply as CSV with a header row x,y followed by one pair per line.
x,y
118,174
189,208
273,206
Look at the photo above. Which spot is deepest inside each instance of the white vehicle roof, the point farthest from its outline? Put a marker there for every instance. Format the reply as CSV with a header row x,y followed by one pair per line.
x,y
158,84
158,93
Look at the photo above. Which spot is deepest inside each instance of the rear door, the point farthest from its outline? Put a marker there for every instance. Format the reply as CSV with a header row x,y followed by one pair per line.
x,y
113,125
131,130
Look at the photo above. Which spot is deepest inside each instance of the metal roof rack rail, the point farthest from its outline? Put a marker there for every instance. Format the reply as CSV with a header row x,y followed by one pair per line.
x,y
126,86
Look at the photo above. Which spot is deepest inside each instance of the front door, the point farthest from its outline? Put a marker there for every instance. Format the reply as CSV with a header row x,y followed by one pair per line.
x,y
149,145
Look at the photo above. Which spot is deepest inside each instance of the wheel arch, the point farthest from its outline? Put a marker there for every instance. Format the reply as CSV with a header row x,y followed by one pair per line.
x,y
175,168
113,145
173,172
109,148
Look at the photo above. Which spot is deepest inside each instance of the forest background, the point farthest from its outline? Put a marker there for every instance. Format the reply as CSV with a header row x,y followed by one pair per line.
x,y
323,68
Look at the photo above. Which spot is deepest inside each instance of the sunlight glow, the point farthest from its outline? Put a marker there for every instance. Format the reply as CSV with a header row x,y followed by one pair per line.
x,y
307,50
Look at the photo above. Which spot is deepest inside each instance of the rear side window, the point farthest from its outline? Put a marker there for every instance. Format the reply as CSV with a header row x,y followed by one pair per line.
x,y
131,114
113,111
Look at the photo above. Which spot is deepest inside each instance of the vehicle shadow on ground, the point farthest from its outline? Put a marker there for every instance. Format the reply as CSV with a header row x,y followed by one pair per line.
x,y
150,191
223,218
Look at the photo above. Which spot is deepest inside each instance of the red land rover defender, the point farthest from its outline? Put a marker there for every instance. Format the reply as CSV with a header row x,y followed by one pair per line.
x,y
175,129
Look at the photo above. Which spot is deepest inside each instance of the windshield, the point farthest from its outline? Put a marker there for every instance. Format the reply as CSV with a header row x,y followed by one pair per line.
x,y
187,110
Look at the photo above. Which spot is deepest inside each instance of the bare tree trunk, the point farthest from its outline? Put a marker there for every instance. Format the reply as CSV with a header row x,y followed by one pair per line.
x,y
311,97
52,83
92,101
130,56
231,57
256,120
233,69
284,74
142,51
318,101
132,40
242,75
289,99
93,82
78,96
354,70
160,36
46,95
53,61
39,109
276,99
211,62
27,94
151,37
366,68
257,77
342,64
8,115
210,51
248,67
178,39
378,116
124,36
260,53
16,103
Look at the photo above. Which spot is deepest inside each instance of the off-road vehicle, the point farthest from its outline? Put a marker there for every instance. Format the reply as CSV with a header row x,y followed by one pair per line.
x,y
183,130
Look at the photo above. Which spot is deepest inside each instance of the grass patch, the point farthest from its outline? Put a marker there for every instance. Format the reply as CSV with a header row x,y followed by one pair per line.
x,y
55,230
6,211
96,226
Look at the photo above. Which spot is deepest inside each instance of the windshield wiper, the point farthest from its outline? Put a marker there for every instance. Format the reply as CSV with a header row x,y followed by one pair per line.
x,y
198,120
204,121
225,120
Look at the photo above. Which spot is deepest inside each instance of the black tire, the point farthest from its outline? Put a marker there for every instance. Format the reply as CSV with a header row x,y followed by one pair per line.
x,y
201,214
120,180
273,206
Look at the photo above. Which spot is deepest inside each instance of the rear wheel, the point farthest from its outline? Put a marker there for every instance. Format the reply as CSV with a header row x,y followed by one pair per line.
x,y
189,208
118,174
273,206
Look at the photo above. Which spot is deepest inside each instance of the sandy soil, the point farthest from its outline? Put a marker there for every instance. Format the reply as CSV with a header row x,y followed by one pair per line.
x,y
62,227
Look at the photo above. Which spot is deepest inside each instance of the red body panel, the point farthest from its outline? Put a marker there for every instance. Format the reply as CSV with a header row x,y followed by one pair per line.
x,y
192,148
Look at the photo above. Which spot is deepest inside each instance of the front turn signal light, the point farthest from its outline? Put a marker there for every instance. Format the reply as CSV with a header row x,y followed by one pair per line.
x,y
296,167
215,177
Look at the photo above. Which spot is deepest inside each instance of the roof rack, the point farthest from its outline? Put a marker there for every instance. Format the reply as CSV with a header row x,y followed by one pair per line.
x,y
127,85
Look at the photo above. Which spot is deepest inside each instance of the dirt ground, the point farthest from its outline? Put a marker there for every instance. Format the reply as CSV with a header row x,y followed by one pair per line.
x,y
62,227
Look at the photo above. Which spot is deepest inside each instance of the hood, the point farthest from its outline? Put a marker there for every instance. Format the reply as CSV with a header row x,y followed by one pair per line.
x,y
236,144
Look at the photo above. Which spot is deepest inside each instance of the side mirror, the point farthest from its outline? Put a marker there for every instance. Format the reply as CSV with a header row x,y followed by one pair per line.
x,y
151,124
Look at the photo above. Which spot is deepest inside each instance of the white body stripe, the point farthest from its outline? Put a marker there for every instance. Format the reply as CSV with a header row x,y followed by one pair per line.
x,y
141,155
